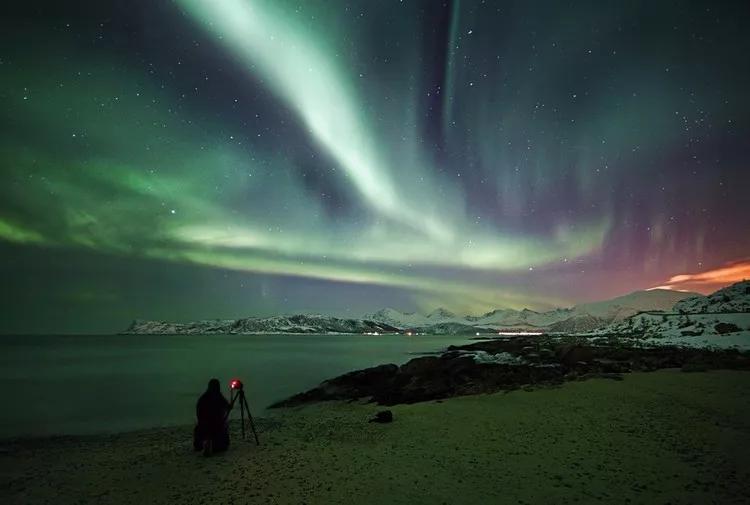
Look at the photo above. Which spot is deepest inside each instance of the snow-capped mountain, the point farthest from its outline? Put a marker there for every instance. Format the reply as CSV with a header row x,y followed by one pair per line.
x,y
254,325
628,305
441,314
396,318
583,317
734,298
499,318
525,318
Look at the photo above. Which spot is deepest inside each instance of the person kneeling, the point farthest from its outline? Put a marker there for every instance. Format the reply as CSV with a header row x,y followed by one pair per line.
x,y
211,433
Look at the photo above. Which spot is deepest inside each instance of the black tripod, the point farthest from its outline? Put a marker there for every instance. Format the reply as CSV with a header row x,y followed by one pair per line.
x,y
244,407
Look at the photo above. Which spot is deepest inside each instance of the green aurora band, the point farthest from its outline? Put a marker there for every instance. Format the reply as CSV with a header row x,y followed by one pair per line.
x,y
104,157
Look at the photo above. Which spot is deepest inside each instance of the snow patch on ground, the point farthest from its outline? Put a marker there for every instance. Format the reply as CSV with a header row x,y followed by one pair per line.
x,y
738,340
501,358
674,325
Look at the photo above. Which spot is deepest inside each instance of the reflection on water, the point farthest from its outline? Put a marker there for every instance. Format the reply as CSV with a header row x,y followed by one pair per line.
x,y
93,384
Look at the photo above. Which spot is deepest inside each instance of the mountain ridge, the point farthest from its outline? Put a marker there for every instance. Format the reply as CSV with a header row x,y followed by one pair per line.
x,y
299,323
580,318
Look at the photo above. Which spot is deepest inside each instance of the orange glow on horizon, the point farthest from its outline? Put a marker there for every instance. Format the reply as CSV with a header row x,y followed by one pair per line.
x,y
710,280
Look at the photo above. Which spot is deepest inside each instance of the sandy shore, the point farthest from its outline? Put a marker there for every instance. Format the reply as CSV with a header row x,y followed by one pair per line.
x,y
661,437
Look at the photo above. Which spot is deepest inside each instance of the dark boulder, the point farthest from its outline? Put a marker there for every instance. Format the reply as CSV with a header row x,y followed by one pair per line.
x,y
722,328
570,355
384,416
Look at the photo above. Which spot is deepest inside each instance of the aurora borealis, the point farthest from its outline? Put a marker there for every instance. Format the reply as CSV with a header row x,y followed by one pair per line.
x,y
221,158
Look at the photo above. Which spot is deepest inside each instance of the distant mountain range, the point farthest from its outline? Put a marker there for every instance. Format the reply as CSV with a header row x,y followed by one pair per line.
x,y
253,325
581,318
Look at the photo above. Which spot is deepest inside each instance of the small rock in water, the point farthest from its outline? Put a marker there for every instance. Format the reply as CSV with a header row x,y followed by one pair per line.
x,y
384,416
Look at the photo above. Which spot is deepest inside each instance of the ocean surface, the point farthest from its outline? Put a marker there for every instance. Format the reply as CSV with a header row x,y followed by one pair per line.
x,y
97,384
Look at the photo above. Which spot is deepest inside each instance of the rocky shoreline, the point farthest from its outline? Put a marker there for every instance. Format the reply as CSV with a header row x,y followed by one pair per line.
x,y
490,366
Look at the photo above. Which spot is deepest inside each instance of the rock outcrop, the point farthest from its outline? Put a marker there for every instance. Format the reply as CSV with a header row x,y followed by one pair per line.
x,y
538,362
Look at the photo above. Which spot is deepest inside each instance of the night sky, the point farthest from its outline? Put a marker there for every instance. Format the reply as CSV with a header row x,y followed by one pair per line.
x,y
226,158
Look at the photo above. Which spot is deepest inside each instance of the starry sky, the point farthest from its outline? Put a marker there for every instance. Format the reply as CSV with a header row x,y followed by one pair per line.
x,y
193,159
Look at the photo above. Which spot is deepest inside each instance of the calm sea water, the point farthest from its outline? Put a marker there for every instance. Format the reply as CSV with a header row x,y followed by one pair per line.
x,y
96,384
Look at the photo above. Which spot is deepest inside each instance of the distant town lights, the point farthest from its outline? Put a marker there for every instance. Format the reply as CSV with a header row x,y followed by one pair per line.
x,y
520,333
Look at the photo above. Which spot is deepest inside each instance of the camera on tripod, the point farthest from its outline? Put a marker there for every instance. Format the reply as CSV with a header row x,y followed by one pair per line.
x,y
238,393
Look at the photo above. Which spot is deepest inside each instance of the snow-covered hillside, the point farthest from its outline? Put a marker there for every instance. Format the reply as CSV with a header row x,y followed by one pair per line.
x,y
721,319
691,330
734,298
654,324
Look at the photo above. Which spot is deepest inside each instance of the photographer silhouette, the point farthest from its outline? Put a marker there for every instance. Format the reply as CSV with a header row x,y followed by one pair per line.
x,y
211,433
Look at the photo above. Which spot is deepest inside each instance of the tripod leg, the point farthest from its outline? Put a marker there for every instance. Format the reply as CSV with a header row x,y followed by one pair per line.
x,y
250,419
242,414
